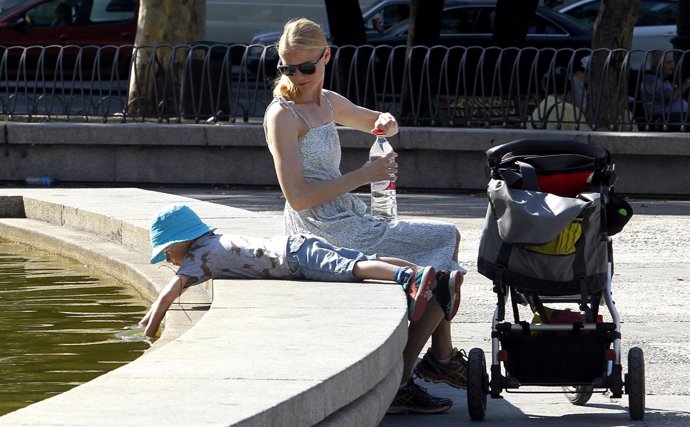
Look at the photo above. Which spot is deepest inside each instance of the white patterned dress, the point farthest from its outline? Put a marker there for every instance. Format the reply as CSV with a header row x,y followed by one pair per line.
x,y
344,221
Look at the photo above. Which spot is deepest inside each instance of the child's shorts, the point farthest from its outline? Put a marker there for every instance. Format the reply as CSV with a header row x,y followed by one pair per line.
x,y
312,258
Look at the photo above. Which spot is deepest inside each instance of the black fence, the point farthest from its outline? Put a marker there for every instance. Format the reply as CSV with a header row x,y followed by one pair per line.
x,y
421,86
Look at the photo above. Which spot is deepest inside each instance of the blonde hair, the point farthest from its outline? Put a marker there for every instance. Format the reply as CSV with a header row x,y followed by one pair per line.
x,y
300,33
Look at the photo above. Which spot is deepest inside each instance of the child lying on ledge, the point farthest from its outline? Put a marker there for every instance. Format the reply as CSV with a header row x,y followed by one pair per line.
x,y
180,237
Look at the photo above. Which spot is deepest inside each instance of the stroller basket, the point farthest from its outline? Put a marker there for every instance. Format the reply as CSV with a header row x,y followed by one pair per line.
x,y
545,360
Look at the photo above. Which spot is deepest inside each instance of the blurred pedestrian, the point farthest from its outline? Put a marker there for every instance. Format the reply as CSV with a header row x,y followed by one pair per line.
x,y
556,110
664,97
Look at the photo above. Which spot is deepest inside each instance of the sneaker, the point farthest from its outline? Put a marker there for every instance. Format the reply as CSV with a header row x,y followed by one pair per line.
x,y
418,290
412,398
447,292
454,373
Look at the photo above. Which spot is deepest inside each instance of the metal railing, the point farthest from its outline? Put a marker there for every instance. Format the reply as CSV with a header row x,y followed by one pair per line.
x,y
422,86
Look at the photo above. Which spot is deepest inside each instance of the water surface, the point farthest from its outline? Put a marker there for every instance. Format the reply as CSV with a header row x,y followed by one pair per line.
x,y
60,324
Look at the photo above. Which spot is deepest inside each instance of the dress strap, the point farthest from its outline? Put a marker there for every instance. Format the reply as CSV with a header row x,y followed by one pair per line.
x,y
325,98
291,106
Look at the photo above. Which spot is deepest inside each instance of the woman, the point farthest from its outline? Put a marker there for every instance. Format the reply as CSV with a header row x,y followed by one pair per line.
x,y
301,134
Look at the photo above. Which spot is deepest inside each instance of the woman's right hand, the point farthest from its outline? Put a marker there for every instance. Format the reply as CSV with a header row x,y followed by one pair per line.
x,y
382,169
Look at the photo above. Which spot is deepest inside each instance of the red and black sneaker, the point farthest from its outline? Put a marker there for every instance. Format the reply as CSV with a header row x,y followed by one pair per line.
x,y
418,290
447,291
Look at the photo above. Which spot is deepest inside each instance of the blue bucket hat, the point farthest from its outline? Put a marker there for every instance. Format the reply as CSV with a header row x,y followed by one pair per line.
x,y
174,224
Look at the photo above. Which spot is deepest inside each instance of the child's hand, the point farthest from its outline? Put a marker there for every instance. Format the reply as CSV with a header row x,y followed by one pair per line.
x,y
132,334
150,332
144,322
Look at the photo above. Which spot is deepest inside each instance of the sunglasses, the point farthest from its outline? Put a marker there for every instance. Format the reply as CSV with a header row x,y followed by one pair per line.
x,y
305,68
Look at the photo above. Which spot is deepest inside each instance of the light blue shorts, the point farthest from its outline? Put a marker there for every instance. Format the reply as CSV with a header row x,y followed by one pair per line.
x,y
312,258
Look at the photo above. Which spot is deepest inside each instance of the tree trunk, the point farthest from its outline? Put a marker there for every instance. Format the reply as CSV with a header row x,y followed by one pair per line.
x,y
682,40
349,73
607,94
157,71
425,22
424,30
345,22
512,21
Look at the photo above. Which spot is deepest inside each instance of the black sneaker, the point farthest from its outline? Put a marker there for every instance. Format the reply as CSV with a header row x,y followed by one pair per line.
x,y
447,292
413,399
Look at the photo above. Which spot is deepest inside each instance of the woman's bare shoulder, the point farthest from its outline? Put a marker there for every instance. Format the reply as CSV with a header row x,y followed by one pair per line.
x,y
280,114
338,101
282,125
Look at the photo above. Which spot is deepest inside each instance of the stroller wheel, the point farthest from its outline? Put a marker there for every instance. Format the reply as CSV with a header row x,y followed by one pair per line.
x,y
477,384
578,395
634,383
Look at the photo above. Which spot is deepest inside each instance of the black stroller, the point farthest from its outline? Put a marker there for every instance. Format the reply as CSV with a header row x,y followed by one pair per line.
x,y
546,246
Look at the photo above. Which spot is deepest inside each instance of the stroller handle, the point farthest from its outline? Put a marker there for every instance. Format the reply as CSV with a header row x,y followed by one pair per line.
x,y
544,147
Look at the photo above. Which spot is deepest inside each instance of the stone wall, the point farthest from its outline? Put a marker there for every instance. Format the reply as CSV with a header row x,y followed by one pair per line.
x,y
448,159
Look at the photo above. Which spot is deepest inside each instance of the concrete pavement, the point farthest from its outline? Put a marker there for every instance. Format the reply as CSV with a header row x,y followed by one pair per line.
x,y
650,284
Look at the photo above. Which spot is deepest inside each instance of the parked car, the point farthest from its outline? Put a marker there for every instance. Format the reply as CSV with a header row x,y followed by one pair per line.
x,y
473,65
377,19
472,24
88,22
8,4
36,24
655,27
464,23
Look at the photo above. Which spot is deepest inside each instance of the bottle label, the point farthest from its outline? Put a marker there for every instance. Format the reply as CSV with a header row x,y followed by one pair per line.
x,y
381,185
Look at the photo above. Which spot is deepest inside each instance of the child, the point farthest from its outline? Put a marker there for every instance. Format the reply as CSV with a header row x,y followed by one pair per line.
x,y
179,236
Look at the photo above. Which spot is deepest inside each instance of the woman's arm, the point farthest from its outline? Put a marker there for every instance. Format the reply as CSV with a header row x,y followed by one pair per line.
x,y
364,119
152,320
282,134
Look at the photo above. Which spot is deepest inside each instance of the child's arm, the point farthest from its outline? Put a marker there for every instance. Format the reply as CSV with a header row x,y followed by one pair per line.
x,y
155,315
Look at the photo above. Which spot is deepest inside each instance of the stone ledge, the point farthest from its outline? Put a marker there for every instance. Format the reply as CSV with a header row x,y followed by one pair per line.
x,y
265,353
251,135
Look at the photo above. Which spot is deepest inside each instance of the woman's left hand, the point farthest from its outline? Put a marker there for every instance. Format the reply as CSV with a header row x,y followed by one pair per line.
x,y
387,123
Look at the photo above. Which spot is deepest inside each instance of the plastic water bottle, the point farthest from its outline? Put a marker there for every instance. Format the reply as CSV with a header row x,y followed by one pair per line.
x,y
384,205
42,181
